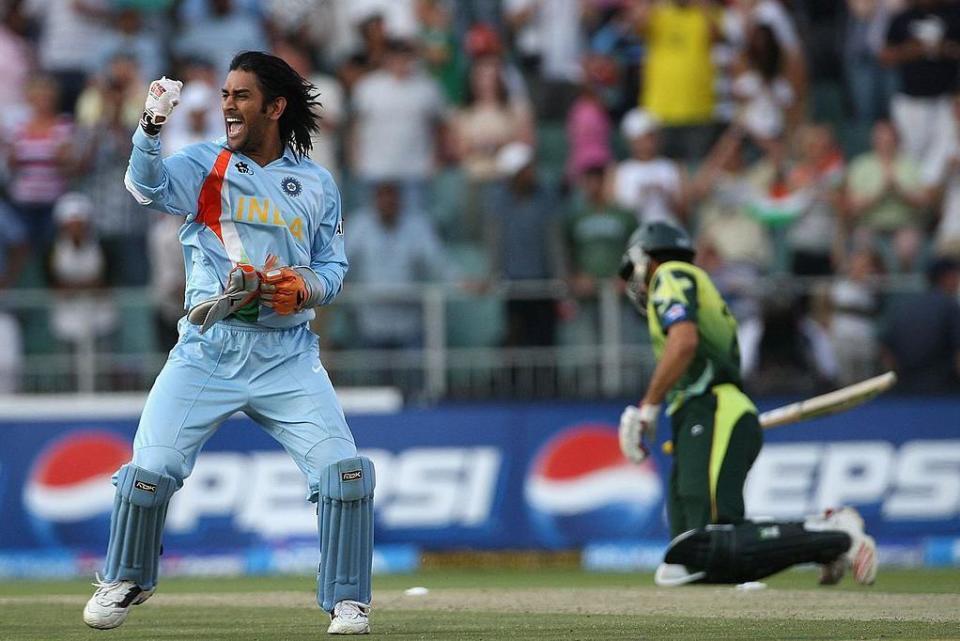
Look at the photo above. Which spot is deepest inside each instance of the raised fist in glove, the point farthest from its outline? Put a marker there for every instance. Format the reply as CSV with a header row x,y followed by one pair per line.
x,y
284,290
638,427
162,97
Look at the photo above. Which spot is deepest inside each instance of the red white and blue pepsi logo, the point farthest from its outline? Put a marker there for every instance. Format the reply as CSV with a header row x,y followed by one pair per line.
x,y
580,487
69,494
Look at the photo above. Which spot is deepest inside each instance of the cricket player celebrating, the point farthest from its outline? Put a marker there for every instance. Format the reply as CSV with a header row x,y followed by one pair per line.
x,y
716,434
263,244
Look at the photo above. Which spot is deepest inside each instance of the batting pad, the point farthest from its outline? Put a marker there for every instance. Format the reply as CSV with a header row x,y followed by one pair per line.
x,y
751,551
139,510
345,514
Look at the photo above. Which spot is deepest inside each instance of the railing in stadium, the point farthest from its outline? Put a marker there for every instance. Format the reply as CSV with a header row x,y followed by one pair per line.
x,y
601,347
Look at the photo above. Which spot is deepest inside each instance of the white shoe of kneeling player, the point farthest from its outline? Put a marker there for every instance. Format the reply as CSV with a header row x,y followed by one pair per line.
x,y
861,558
350,617
110,604
670,575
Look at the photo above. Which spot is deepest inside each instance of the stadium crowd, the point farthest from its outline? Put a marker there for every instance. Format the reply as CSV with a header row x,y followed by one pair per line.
x,y
812,148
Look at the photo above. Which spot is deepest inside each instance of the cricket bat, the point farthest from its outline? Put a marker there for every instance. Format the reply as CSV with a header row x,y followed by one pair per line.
x,y
830,403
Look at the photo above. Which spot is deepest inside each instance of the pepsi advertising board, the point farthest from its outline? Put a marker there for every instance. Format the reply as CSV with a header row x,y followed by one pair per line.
x,y
519,476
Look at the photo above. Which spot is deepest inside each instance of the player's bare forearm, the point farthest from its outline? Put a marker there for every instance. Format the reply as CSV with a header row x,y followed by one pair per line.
x,y
678,353
905,52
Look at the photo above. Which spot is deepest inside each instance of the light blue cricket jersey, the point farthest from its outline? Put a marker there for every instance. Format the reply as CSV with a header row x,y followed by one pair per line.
x,y
239,212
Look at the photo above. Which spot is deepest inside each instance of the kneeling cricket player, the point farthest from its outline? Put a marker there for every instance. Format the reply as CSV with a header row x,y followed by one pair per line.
x,y
716,433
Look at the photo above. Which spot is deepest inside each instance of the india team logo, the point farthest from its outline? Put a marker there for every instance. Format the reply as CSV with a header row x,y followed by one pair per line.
x,y
580,488
291,186
68,494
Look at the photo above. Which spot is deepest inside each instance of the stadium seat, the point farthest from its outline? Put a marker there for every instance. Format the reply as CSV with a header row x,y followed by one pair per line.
x,y
473,320
449,188
551,151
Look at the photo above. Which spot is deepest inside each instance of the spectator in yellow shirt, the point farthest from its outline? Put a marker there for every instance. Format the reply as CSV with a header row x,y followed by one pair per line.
x,y
678,74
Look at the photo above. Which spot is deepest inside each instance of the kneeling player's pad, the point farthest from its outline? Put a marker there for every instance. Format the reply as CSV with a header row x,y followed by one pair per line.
x,y
751,551
345,513
136,525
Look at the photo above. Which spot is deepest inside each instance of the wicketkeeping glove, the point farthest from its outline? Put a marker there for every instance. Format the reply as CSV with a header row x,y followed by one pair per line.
x,y
284,290
162,96
638,427
243,288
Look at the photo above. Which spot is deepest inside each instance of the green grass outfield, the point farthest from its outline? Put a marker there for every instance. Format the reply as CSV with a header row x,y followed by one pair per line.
x,y
514,605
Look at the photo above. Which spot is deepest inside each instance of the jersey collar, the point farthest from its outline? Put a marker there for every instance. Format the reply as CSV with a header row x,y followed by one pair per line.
x,y
289,156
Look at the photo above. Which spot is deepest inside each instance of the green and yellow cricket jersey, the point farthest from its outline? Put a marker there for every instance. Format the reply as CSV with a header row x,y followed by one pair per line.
x,y
680,292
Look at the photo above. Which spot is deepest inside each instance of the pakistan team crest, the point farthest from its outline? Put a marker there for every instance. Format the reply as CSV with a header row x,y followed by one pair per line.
x,y
291,186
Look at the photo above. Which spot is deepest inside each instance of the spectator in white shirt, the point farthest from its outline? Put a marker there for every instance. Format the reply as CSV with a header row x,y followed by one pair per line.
x,y
397,120
199,118
549,40
647,183
78,270
761,89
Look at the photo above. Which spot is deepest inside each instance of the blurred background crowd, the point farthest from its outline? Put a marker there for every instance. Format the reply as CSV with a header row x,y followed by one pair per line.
x,y
494,157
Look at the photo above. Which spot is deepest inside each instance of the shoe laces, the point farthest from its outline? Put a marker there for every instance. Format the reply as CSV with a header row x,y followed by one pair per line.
x,y
101,585
105,594
351,609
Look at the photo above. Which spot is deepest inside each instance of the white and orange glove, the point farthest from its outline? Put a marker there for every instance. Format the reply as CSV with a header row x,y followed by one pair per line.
x,y
162,96
243,288
288,290
638,428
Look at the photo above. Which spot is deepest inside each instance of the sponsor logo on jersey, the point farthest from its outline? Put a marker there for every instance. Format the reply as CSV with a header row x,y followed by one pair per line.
x,y
291,186
675,312
580,487
243,168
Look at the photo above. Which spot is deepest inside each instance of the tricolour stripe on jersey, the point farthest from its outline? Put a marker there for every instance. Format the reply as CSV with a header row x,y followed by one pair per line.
x,y
228,231
209,204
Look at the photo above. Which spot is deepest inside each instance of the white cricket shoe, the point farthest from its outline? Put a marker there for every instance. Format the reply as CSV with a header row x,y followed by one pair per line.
x,y
669,575
861,558
110,604
350,617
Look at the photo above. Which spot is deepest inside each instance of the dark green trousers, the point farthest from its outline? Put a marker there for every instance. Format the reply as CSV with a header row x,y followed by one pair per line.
x,y
716,438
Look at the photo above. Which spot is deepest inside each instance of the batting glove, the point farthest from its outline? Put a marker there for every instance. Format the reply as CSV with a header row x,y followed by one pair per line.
x,y
638,426
162,97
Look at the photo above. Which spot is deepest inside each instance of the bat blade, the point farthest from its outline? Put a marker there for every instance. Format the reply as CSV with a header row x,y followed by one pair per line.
x,y
830,403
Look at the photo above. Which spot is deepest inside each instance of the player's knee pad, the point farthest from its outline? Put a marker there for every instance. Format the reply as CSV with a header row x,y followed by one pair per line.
x,y
136,525
751,551
345,516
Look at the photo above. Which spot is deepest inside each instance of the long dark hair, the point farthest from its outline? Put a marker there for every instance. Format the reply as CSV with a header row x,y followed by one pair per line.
x,y
300,119
764,52
470,97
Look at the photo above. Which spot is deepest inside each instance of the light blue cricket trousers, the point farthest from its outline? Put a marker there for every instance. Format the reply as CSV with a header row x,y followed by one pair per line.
x,y
272,375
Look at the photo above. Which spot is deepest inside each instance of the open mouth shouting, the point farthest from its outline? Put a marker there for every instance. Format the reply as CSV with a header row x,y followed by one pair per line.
x,y
235,127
